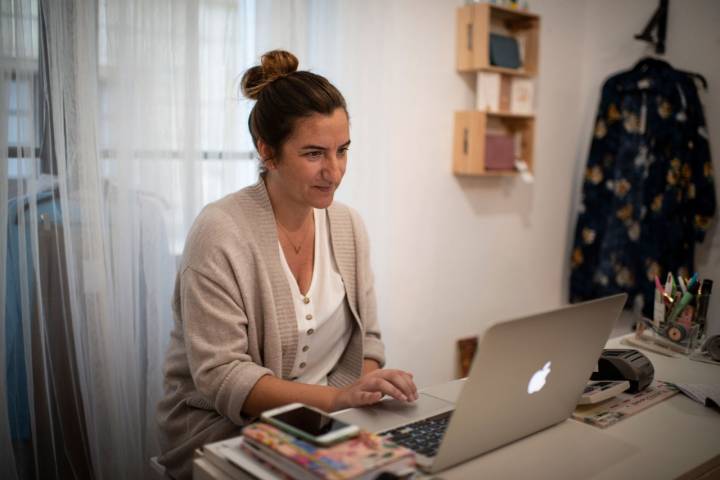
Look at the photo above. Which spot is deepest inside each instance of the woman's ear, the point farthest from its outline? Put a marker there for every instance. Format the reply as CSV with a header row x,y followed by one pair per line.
x,y
267,155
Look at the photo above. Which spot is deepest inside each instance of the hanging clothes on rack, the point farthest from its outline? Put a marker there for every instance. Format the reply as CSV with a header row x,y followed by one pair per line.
x,y
18,258
648,192
47,412
51,421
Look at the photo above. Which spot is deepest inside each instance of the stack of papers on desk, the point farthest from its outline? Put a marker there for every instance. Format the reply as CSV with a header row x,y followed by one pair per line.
x,y
231,459
708,395
700,356
266,453
362,457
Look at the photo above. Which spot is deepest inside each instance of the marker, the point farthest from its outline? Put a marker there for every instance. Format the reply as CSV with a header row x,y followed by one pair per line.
x,y
659,286
684,300
683,286
659,305
702,305
668,299
670,285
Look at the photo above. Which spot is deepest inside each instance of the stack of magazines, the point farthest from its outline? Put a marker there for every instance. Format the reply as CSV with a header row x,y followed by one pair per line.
x,y
266,452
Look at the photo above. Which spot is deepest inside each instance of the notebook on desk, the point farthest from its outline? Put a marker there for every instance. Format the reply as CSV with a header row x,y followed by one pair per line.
x,y
527,374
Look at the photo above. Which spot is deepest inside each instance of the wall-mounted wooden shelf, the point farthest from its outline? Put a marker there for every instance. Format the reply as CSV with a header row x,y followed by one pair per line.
x,y
519,72
475,23
469,143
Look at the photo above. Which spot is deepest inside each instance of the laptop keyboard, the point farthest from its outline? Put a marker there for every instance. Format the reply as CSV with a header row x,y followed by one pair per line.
x,y
424,436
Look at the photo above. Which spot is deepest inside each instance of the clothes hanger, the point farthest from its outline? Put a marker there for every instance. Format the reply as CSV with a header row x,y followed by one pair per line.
x,y
657,25
649,60
696,76
54,195
654,33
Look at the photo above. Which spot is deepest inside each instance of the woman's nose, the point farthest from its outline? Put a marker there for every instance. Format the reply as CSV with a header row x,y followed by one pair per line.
x,y
333,170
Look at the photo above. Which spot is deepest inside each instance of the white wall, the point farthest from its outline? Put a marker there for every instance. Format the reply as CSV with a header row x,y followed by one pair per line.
x,y
453,254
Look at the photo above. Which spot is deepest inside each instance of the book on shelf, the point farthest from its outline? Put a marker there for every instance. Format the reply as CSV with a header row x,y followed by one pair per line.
x,y
504,51
498,93
493,92
362,457
521,96
499,151
487,92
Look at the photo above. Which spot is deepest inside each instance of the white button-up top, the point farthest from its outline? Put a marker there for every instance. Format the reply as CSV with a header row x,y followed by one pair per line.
x,y
324,319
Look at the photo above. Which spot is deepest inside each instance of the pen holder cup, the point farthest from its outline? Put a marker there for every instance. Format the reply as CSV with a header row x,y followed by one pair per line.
x,y
678,337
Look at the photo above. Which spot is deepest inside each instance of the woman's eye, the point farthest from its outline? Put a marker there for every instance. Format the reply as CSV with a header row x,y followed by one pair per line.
x,y
342,152
314,154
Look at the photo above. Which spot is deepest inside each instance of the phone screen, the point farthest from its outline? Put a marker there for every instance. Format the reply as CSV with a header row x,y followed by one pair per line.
x,y
309,421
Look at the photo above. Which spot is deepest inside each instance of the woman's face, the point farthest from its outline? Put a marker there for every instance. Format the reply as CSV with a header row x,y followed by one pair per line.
x,y
312,162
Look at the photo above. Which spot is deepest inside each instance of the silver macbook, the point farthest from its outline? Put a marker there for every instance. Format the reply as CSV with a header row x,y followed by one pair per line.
x,y
527,374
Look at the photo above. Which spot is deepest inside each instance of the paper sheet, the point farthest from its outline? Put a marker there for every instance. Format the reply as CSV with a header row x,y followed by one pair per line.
x,y
613,410
699,356
707,394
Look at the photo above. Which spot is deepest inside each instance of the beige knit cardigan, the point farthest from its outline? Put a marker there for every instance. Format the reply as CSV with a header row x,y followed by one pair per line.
x,y
235,321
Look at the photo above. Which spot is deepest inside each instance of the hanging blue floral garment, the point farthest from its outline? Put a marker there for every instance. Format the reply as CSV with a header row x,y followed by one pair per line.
x,y
648,192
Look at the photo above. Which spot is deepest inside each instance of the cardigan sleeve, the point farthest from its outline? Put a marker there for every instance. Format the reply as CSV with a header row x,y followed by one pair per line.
x,y
216,341
373,347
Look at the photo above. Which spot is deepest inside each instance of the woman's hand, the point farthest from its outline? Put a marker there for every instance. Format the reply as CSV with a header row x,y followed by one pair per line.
x,y
371,387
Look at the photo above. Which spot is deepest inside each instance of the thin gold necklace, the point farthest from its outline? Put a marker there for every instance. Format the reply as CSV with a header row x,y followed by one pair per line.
x,y
298,247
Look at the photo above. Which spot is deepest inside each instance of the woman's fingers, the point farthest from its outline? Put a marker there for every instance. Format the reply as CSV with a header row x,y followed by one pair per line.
x,y
387,388
406,384
402,381
368,398
372,387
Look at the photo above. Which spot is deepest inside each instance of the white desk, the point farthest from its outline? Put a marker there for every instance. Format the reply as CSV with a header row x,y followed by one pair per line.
x,y
676,438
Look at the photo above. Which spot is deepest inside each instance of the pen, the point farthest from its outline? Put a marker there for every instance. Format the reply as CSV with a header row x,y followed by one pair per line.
x,y
668,299
659,305
683,286
659,286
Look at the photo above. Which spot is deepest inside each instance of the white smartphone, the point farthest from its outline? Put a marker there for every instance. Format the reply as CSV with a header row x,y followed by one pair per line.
x,y
309,423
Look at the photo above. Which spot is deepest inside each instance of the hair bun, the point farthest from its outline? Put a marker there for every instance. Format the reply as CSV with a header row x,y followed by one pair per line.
x,y
273,65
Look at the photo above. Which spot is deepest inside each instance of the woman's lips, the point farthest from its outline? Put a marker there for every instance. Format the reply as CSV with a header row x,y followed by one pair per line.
x,y
326,189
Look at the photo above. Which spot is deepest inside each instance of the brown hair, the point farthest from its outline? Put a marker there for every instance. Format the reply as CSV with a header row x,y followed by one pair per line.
x,y
283,95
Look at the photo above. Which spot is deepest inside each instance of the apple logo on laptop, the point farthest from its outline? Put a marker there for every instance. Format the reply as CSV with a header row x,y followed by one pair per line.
x,y
537,382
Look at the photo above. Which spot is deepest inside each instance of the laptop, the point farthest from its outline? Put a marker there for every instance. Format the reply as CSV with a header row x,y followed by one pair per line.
x,y
527,375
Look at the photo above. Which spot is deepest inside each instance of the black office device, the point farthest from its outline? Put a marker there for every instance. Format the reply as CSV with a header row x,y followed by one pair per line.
x,y
625,364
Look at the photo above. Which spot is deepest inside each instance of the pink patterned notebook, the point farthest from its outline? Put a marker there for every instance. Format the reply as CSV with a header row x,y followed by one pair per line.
x,y
364,456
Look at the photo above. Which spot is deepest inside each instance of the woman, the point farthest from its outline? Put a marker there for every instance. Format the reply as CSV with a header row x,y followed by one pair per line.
x,y
274,301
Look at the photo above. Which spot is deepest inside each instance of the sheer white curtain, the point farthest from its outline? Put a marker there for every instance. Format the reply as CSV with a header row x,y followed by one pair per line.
x,y
19,141
119,120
